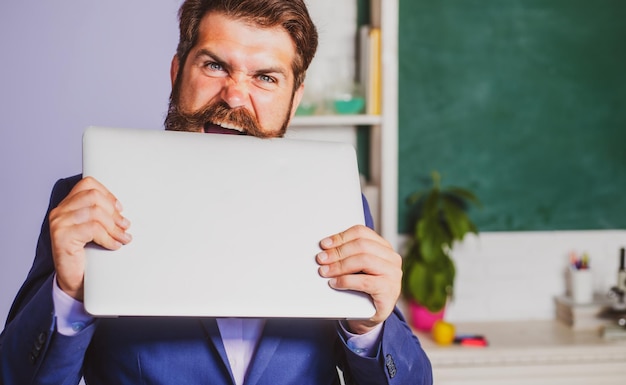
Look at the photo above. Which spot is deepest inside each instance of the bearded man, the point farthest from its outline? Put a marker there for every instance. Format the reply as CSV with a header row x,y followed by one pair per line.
x,y
239,69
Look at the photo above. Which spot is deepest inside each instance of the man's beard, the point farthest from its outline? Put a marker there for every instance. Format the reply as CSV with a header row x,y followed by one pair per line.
x,y
213,115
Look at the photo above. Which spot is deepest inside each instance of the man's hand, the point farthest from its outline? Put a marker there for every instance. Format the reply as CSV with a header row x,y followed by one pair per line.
x,y
89,213
360,259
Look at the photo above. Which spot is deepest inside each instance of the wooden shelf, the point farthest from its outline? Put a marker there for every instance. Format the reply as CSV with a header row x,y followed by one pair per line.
x,y
383,135
335,120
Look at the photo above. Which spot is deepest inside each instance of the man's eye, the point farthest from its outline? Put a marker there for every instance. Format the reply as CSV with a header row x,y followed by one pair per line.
x,y
213,66
266,79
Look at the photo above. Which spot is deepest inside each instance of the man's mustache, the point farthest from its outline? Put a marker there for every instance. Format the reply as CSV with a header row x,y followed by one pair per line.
x,y
218,113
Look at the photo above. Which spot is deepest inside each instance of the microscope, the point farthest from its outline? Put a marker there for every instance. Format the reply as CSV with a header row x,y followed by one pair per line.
x,y
618,292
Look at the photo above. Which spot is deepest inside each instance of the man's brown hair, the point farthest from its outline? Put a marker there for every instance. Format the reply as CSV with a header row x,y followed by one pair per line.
x,y
291,15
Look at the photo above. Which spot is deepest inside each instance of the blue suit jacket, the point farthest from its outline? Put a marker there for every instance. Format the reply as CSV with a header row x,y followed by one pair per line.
x,y
135,350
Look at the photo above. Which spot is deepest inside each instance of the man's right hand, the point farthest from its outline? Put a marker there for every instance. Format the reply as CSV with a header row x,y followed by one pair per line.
x,y
89,213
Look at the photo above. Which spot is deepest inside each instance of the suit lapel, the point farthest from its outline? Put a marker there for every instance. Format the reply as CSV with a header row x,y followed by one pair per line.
x,y
269,342
213,333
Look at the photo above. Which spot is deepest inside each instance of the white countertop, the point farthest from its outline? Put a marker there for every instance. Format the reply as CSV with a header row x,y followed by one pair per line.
x,y
525,342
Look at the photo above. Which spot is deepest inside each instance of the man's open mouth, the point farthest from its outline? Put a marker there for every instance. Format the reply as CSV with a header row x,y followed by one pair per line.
x,y
212,128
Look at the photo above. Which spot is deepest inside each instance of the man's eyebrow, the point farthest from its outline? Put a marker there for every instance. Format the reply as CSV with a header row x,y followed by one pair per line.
x,y
274,70
206,53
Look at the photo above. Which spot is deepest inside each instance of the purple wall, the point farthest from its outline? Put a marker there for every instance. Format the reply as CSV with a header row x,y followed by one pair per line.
x,y
66,65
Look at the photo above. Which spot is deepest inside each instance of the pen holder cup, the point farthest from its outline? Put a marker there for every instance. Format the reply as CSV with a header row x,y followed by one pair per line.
x,y
581,286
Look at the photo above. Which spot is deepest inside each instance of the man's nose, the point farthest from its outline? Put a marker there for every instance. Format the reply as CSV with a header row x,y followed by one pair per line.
x,y
235,91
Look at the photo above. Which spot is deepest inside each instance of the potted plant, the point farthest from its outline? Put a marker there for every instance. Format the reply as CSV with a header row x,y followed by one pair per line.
x,y
439,218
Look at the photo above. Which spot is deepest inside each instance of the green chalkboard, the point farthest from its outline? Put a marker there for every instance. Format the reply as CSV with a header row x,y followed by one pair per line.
x,y
521,101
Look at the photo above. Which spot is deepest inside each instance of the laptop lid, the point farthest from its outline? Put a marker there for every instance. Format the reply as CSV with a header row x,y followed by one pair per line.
x,y
222,225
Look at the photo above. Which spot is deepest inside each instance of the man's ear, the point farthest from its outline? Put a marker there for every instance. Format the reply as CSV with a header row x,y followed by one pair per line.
x,y
297,98
174,69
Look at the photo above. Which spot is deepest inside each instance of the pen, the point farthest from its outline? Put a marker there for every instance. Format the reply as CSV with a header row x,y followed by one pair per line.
x,y
470,340
577,263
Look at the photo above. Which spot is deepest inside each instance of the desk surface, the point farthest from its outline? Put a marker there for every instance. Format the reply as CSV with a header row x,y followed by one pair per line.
x,y
525,342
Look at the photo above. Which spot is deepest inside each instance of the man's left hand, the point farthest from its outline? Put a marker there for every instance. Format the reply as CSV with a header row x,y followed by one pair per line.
x,y
360,259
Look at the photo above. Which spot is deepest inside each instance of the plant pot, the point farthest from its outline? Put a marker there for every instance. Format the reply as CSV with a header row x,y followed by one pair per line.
x,y
422,318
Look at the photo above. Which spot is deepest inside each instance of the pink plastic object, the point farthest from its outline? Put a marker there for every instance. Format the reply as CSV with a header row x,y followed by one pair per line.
x,y
422,318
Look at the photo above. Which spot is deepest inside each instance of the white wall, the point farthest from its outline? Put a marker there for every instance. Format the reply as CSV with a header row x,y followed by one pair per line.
x,y
516,275
67,65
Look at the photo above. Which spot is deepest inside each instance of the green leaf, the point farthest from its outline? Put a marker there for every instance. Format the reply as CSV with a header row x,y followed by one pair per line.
x,y
431,204
450,273
431,238
442,285
431,285
464,194
438,296
457,220
418,283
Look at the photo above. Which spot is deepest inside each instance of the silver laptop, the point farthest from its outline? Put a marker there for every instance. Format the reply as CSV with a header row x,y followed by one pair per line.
x,y
222,225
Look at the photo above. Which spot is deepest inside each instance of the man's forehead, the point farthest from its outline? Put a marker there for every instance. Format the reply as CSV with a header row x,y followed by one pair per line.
x,y
216,25
239,39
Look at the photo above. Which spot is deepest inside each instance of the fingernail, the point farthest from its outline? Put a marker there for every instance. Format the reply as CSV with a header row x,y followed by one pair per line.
x,y
332,282
128,237
323,270
124,223
327,242
323,256
118,206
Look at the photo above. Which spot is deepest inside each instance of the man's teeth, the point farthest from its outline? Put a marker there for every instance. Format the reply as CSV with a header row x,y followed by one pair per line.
x,y
230,126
